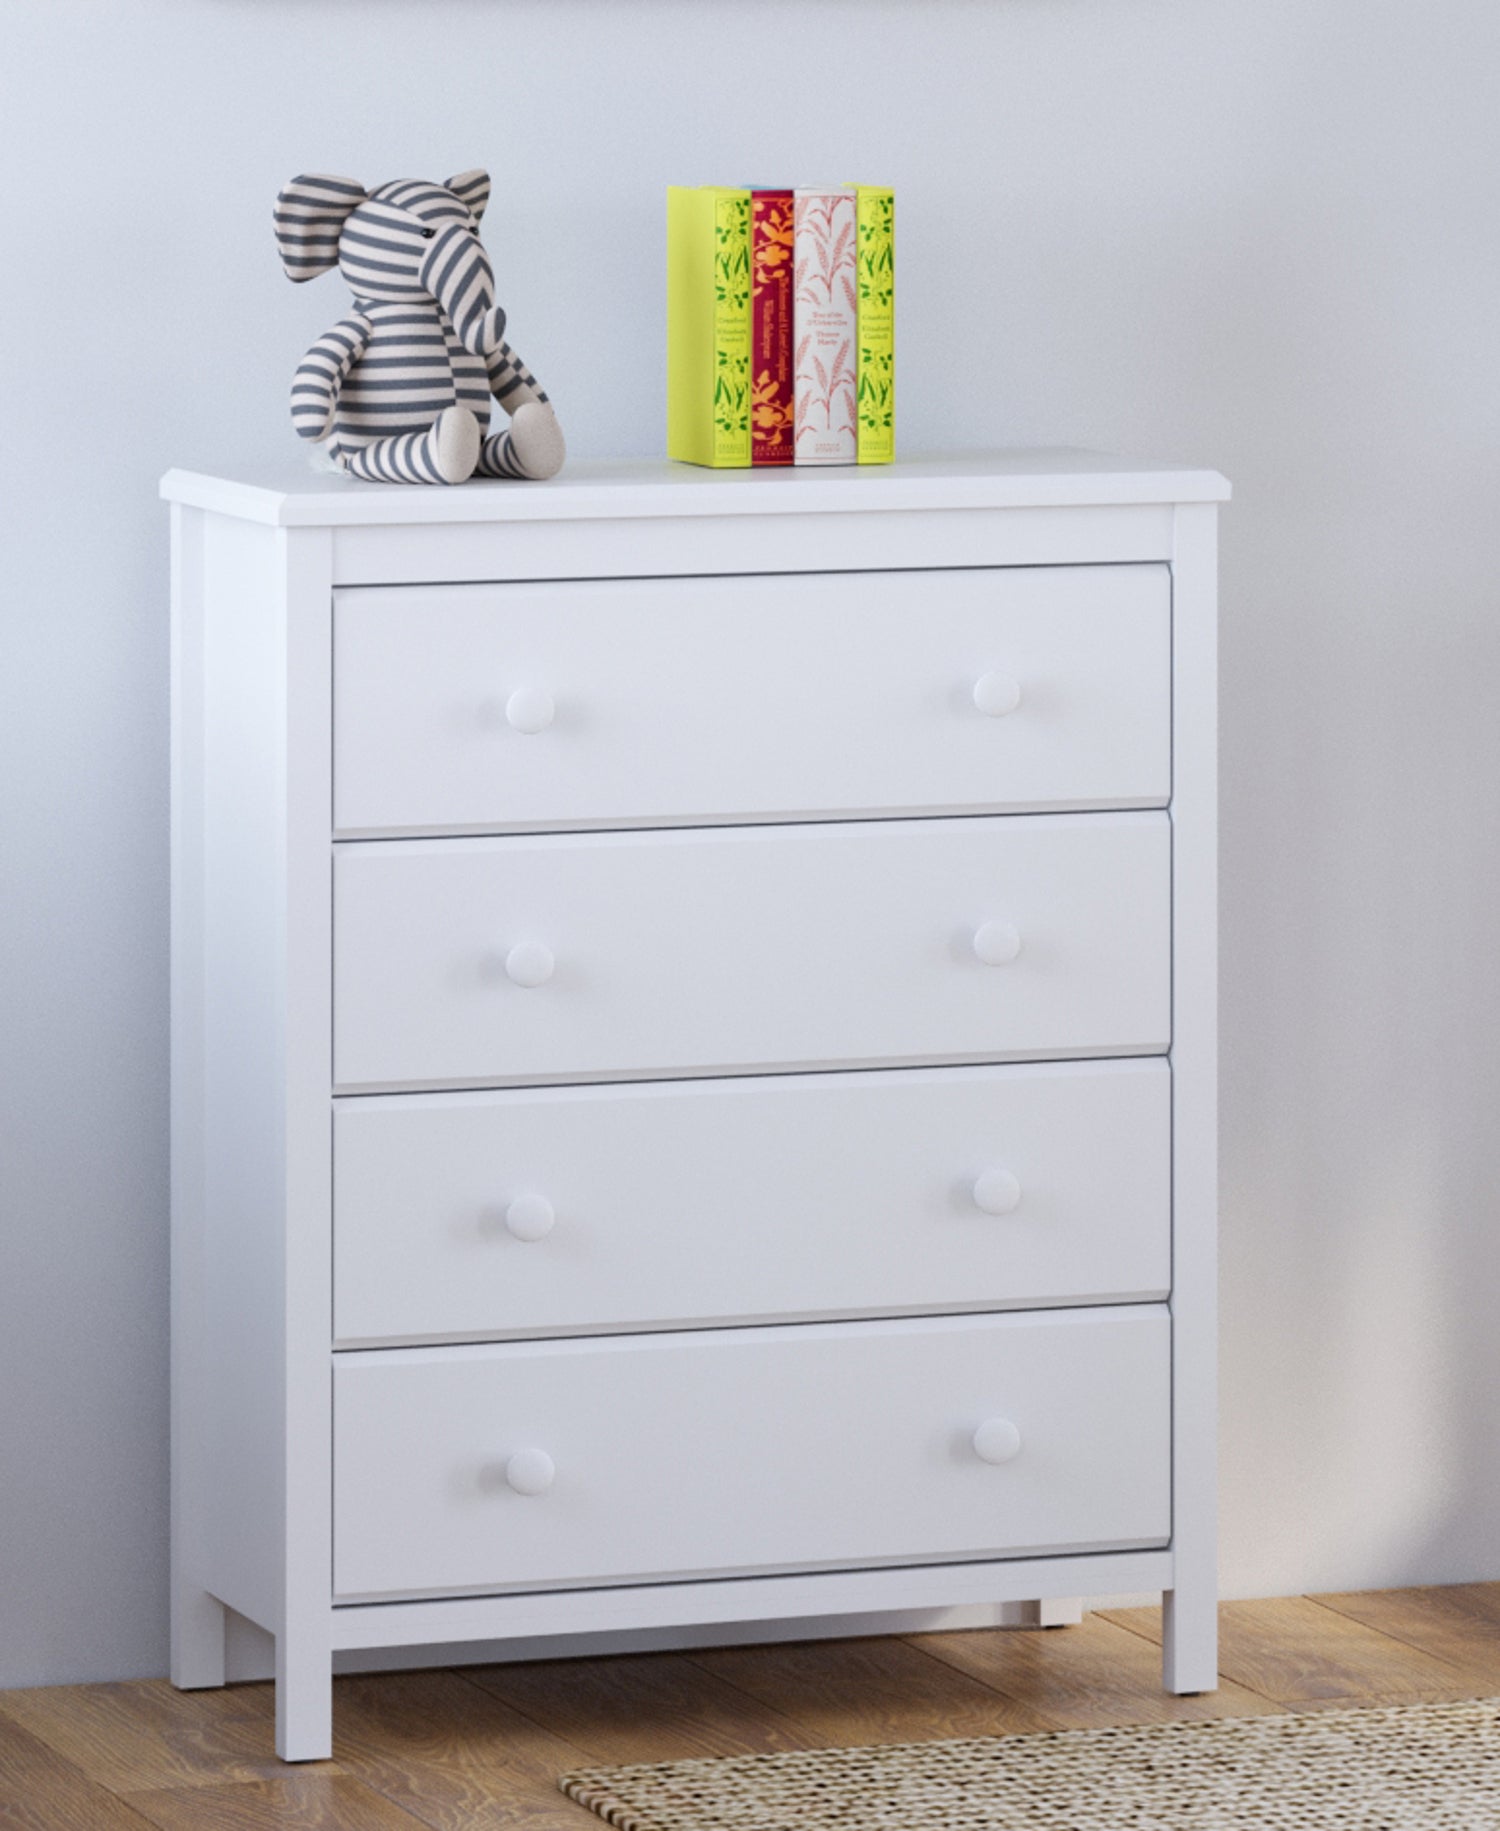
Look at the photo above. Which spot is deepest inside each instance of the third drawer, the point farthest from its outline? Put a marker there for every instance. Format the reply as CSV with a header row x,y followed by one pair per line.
x,y
558,1210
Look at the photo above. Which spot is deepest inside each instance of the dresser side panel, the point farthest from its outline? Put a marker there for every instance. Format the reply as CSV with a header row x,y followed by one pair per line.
x,y
243,726
197,1619
263,1327
304,1699
1190,1639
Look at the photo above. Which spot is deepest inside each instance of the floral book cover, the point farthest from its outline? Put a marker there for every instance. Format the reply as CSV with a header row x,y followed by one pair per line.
x,y
877,323
708,325
732,327
771,413
825,310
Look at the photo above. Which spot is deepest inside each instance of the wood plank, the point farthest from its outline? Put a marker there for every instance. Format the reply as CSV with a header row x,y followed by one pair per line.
x,y
642,1707
849,1693
142,1736
480,1750
42,1791
452,1754
1459,1624
1092,1675
299,1802
1293,1651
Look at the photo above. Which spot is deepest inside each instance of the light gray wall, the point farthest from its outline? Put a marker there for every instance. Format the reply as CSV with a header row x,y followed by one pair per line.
x,y
1258,234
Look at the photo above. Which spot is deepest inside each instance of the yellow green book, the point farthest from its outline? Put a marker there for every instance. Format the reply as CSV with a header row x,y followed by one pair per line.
x,y
708,325
876,283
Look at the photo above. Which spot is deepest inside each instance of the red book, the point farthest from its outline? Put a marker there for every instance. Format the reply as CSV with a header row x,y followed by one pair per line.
x,y
772,431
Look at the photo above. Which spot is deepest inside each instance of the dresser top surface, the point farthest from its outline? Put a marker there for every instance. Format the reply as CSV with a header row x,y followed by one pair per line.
x,y
291,496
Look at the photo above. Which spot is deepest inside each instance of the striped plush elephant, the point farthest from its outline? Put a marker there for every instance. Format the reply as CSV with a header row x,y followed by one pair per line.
x,y
401,387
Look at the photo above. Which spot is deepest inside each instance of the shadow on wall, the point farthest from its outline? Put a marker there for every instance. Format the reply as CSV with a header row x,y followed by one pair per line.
x,y
1361,1054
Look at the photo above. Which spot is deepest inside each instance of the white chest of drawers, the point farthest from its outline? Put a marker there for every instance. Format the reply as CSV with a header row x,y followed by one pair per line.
x,y
693,1053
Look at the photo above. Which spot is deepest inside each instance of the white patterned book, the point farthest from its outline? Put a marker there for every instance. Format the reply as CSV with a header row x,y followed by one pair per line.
x,y
825,314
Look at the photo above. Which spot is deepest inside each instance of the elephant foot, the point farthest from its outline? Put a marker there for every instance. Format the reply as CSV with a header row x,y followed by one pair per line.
x,y
456,442
446,453
533,448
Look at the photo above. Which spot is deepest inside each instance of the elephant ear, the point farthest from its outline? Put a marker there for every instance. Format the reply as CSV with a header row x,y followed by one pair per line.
x,y
471,188
310,216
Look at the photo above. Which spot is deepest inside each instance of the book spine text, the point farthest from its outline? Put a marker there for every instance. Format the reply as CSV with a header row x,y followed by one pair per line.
x,y
771,409
825,310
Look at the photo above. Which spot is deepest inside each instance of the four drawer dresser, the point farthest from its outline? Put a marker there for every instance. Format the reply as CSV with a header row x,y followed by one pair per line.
x,y
693,1054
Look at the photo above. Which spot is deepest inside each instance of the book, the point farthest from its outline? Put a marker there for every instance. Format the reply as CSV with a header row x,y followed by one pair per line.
x,y
825,310
708,325
771,400
875,263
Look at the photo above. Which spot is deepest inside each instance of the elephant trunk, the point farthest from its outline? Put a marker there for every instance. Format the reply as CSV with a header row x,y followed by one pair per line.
x,y
457,273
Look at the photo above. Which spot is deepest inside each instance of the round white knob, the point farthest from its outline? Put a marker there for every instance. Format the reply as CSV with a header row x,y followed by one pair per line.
x,y
529,963
529,710
997,1440
531,1216
995,1191
996,694
997,943
530,1471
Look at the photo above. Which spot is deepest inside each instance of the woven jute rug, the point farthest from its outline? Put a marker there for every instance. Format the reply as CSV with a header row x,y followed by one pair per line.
x,y
1413,1767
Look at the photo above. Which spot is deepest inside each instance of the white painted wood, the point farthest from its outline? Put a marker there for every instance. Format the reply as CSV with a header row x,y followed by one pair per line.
x,y
237,1369
997,1440
749,948
680,1204
826,1444
651,488
251,1651
250,1078
400,553
631,1617
1190,1624
304,1651
515,707
197,1617
658,1614
780,947
1055,1612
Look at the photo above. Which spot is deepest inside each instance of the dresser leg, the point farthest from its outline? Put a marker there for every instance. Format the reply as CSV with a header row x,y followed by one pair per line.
x,y
304,1699
198,1626
1051,1612
1190,1641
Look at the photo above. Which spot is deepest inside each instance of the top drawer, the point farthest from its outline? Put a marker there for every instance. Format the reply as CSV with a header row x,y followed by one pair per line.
x,y
642,702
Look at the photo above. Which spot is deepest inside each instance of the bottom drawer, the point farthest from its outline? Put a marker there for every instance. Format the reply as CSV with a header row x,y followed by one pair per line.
x,y
823,1445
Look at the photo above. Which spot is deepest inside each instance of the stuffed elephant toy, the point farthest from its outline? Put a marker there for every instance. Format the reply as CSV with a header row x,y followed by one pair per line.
x,y
401,388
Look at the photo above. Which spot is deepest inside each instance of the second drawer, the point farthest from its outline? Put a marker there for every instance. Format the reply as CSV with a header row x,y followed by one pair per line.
x,y
550,1211
645,955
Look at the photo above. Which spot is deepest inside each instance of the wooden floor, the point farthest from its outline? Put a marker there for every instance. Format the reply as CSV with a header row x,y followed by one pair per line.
x,y
481,1747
